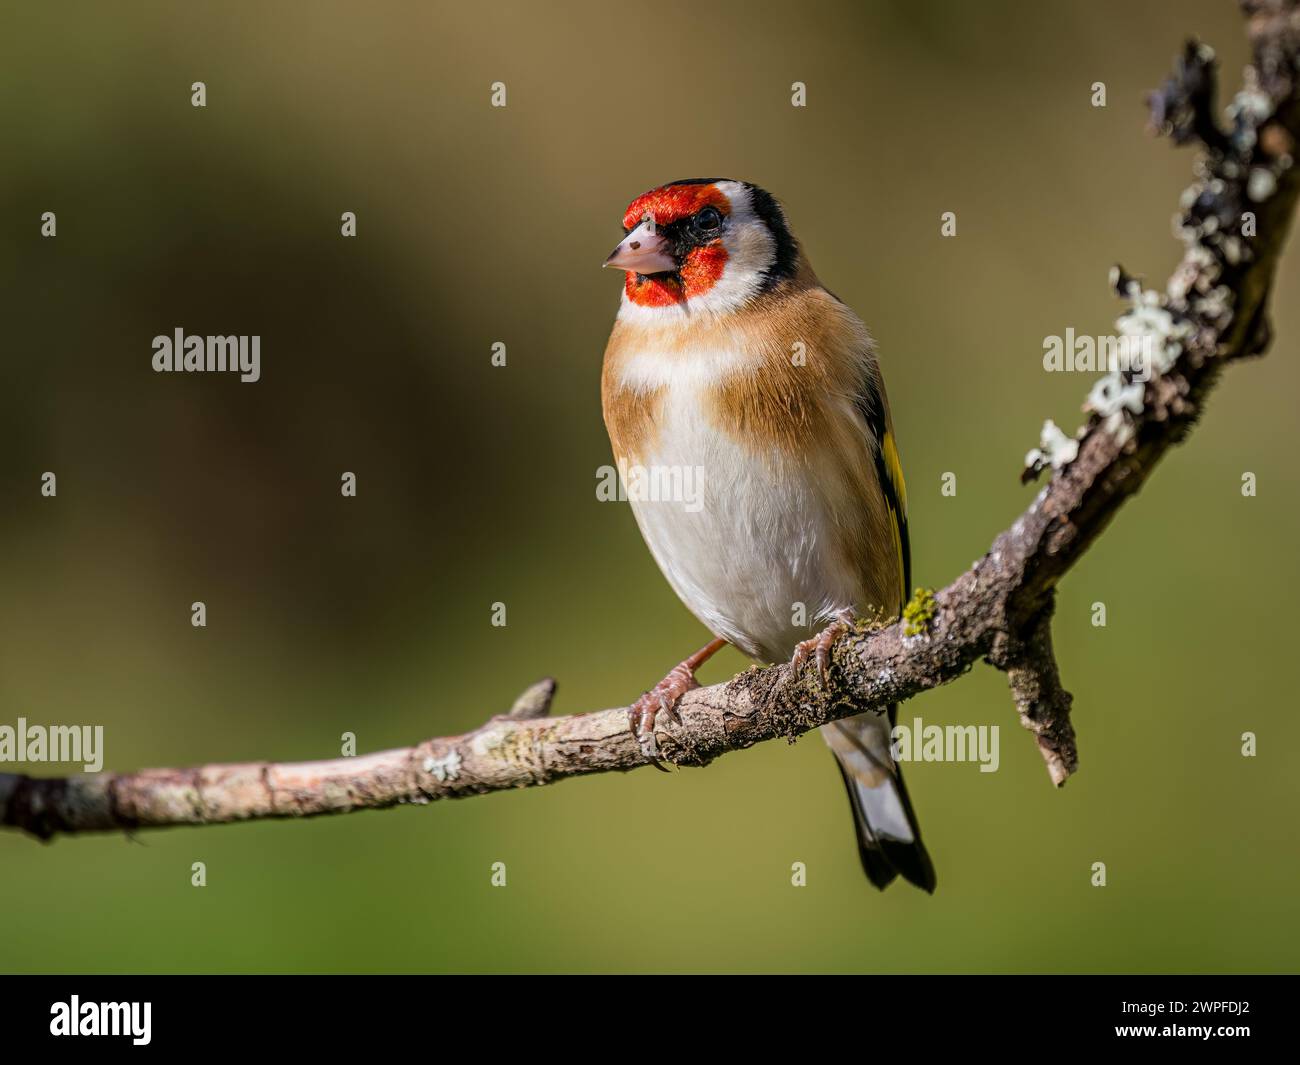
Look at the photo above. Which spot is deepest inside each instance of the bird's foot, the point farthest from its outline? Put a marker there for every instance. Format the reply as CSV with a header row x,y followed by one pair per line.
x,y
663,699
820,646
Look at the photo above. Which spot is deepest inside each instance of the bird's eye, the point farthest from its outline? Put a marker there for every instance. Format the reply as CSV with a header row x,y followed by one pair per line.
x,y
708,220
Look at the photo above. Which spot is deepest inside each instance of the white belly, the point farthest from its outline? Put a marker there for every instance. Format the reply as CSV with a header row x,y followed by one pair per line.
x,y
749,547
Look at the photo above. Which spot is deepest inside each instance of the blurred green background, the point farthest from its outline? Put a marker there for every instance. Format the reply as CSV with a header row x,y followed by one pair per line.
x,y
477,484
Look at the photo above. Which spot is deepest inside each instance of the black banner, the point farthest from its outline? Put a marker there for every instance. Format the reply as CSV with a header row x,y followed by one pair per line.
x,y
916,1014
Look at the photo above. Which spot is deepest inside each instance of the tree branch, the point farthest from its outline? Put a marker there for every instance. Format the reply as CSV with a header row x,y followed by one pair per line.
x,y
1234,221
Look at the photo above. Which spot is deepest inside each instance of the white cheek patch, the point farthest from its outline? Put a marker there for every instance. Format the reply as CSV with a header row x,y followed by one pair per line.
x,y
751,251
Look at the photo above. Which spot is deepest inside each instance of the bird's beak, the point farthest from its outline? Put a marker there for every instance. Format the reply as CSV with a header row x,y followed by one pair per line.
x,y
643,251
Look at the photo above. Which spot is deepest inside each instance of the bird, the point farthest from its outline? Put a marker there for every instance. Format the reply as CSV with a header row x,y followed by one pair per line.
x,y
731,369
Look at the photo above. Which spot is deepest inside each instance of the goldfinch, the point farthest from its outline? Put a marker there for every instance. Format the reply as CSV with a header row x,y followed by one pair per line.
x,y
732,371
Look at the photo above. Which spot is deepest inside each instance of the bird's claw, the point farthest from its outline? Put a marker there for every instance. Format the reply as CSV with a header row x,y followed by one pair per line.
x,y
661,699
820,647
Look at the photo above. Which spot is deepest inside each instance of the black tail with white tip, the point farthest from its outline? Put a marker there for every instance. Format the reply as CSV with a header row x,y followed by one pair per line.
x,y
889,839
